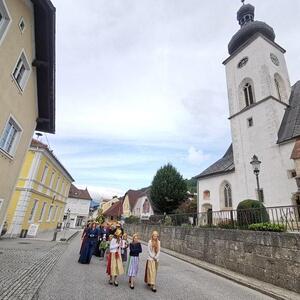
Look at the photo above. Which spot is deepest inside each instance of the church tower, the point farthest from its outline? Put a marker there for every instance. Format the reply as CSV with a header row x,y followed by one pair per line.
x,y
258,94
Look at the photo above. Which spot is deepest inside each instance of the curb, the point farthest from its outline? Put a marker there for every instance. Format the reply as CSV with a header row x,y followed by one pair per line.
x,y
72,236
255,284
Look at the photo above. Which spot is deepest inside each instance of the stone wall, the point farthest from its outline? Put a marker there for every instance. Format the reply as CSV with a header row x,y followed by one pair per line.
x,y
268,256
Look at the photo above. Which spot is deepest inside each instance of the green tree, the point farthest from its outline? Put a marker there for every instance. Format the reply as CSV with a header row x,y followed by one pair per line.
x,y
187,207
191,185
100,217
168,189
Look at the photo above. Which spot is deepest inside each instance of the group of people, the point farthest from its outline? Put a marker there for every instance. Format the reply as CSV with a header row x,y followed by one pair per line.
x,y
110,243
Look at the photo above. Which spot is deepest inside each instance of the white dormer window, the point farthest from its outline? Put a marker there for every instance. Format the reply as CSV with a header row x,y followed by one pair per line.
x,y
21,71
5,20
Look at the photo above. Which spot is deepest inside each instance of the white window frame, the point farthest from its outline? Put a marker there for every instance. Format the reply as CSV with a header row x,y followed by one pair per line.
x,y
45,173
33,210
15,139
55,213
49,213
43,212
52,179
5,22
22,61
57,184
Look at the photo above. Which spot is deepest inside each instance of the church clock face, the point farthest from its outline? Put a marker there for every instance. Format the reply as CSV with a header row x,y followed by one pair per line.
x,y
274,59
243,62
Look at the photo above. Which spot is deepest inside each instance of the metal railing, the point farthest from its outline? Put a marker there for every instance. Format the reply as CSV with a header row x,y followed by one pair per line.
x,y
287,216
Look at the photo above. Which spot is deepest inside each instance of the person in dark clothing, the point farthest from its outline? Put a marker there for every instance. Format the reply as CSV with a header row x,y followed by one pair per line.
x,y
89,246
84,236
135,249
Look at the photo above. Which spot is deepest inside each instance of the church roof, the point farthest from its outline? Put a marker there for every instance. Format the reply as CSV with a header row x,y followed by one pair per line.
x,y
249,28
290,125
223,165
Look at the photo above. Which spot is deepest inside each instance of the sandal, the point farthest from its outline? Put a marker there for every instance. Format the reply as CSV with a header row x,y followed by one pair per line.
x,y
132,287
110,282
153,290
116,283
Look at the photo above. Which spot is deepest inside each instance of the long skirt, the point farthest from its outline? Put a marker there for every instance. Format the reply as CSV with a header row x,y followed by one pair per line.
x,y
96,249
132,266
114,265
151,272
82,244
87,251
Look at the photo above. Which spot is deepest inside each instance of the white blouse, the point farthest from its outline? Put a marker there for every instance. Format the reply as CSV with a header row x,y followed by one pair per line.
x,y
114,246
151,253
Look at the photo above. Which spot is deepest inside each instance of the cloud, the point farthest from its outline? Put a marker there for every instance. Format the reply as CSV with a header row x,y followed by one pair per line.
x,y
100,192
197,156
138,84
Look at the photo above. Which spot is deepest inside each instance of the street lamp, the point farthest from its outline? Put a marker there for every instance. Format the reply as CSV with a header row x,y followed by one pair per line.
x,y
255,162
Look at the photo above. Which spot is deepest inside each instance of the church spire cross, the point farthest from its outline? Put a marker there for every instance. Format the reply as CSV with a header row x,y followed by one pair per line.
x,y
243,1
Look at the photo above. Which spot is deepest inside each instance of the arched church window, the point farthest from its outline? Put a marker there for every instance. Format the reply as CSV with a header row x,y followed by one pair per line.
x,y
248,94
277,85
227,195
280,88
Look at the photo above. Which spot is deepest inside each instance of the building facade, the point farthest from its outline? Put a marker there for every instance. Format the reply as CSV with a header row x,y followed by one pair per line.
x,y
264,112
41,192
78,206
27,84
137,203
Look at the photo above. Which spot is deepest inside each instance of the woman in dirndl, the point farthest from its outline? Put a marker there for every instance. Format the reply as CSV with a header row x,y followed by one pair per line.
x,y
114,263
152,261
135,249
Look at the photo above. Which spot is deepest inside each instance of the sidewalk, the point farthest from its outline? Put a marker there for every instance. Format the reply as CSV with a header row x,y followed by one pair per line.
x,y
48,235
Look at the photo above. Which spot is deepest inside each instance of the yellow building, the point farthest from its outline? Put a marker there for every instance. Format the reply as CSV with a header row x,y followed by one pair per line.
x,y
41,192
27,84
107,203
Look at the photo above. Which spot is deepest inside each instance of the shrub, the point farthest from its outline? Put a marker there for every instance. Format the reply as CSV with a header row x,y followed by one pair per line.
x,y
250,212
227,224
267,227
168,221
132,220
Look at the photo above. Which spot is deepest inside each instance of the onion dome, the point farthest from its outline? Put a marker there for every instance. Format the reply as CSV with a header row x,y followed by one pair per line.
x,y
249,27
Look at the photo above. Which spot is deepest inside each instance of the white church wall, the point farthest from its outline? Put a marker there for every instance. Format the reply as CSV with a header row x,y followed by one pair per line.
x,y
259,68
213,185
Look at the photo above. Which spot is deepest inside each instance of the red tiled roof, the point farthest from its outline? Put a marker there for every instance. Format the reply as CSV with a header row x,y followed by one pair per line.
x,y
115,210
79,193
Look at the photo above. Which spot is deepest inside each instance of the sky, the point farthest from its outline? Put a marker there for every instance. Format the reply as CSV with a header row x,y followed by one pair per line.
x,y
140,83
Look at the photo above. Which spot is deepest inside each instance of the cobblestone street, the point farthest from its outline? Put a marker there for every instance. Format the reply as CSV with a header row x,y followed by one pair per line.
x,y
176,280
24,266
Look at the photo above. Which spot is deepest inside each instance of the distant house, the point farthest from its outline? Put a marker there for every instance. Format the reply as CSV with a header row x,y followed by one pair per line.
x,y
138,203
78,205
107,203
114,213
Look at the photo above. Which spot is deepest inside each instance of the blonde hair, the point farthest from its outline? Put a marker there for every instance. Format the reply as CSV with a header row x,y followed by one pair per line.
x,y
155,243
135,235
